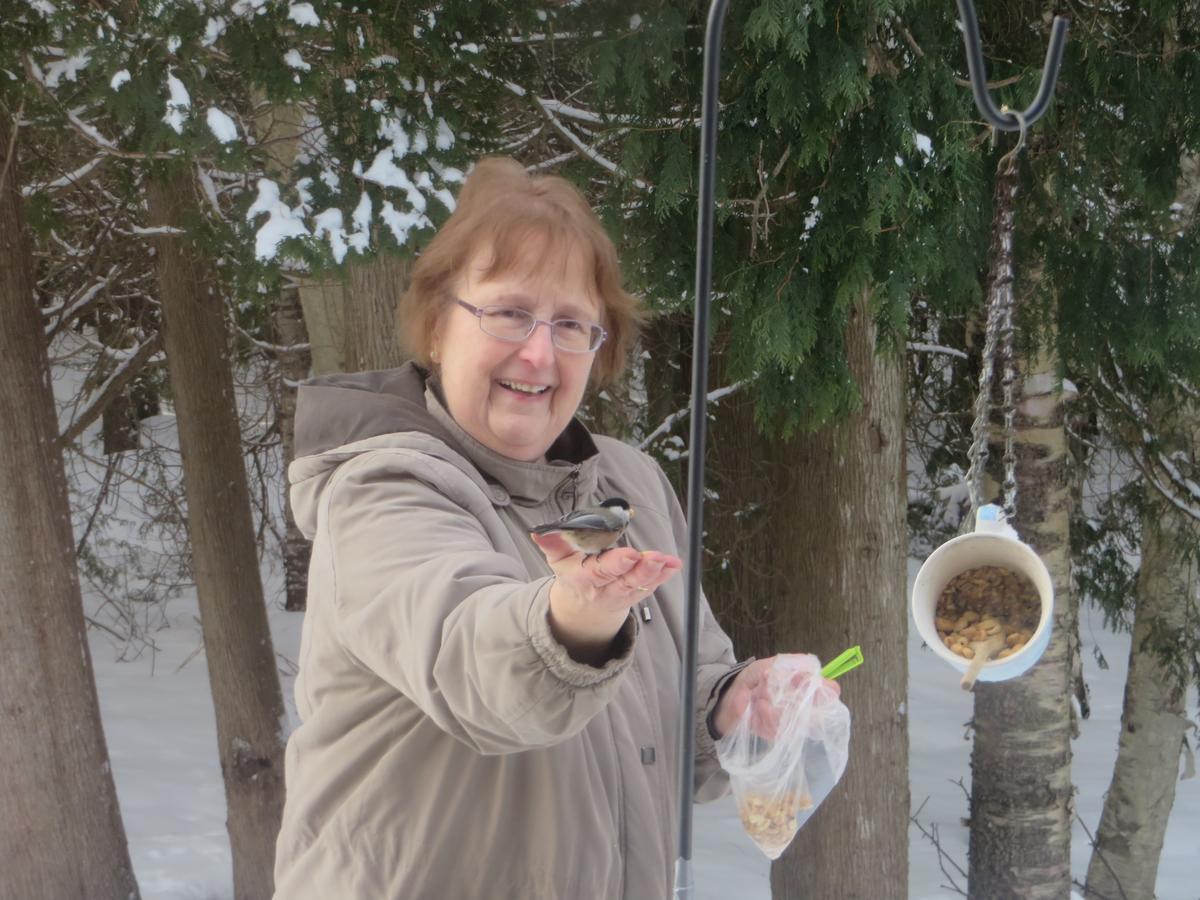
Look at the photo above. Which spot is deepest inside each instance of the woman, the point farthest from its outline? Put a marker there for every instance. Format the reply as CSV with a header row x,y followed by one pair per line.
x,y
485,712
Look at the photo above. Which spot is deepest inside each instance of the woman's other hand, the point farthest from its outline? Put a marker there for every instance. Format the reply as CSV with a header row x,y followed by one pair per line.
x,y
592,596
750,690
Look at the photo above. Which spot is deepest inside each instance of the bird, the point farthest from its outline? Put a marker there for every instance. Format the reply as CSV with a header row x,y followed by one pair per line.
x,y
592,529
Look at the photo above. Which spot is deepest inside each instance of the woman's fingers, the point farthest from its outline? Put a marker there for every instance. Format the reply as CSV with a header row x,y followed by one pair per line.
x,y
553,545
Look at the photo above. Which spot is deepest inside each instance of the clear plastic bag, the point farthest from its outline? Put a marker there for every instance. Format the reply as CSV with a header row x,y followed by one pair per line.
x,y
778,784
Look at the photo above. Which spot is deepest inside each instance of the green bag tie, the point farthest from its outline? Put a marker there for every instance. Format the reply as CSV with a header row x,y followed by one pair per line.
x,y
851,659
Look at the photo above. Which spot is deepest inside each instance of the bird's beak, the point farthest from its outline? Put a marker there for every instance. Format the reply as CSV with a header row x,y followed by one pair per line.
x,y
631,512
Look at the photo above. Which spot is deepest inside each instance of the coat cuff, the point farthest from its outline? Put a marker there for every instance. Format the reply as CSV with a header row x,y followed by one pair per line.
x,y
556,658
706,733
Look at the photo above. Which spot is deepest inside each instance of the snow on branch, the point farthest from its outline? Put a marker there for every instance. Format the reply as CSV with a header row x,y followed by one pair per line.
x,y
89,131
273,348
1176,486
68,180
133,361
585,115
680,414
155,230
916,347
539,38
587,150
81,301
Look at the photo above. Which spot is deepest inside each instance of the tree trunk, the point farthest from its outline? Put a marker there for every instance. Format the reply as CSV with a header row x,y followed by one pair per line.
x,y
1129,841
61,834
369,318
818,566
1020,838
753,521
241,660
293,368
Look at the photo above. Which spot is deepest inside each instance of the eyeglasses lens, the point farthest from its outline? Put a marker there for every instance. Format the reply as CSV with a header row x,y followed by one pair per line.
x,y
512,324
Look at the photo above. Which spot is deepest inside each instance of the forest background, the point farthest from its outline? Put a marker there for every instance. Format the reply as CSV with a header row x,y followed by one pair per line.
x,y
209,198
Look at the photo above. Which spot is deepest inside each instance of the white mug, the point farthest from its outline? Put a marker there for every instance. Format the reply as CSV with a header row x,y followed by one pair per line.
x,y
992,543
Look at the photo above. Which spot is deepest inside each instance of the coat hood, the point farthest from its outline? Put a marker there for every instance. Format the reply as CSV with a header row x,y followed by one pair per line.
x,y
342,415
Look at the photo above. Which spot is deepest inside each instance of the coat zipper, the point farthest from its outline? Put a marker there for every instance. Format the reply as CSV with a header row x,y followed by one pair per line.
x,y
569,485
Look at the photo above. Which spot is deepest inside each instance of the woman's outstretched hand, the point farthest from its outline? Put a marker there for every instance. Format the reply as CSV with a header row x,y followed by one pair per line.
x,y
592,596
749,690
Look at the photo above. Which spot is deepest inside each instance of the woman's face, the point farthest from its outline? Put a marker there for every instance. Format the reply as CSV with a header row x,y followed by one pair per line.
x,y
515,397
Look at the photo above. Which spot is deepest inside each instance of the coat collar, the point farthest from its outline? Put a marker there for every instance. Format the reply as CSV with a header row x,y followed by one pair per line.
x,y
568,474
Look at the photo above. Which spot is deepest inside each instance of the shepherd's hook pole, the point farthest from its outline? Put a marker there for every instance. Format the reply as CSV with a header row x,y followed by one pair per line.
x,y
684,882
997,118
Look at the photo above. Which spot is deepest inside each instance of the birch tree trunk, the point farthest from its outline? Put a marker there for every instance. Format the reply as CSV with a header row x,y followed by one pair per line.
x,y
241,660
294,365
1124,862
820,562
61,834
1020,820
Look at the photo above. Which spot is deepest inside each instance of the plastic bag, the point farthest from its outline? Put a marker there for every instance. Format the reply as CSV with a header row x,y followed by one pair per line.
x,y
778,784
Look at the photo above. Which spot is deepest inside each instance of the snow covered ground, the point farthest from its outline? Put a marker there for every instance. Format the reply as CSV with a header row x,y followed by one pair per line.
x,y
161,735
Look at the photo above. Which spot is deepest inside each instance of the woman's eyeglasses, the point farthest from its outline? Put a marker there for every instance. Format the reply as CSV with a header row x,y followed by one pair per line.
x,y
511,323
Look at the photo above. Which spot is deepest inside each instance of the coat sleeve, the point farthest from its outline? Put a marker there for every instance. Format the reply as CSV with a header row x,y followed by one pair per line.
x,y
427,601
716,666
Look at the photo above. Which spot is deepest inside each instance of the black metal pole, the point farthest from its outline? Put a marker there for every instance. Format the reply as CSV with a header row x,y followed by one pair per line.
x,y
684,881
1006,121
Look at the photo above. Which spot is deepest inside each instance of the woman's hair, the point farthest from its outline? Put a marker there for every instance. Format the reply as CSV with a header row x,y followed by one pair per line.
x,y
529,224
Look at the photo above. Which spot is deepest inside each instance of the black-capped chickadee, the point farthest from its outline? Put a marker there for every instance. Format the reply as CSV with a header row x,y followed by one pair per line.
x,y
593,529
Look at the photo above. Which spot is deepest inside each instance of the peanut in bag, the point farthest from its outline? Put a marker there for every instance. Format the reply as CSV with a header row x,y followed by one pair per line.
x,y
779,783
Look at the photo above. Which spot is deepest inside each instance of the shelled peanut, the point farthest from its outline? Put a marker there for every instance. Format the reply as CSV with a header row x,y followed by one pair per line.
x,y
983,602
770,819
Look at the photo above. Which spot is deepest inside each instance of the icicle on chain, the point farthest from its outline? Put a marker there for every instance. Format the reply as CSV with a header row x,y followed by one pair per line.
x,y
998,332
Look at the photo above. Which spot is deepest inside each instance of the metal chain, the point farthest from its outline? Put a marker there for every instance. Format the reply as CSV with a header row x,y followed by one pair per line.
x,y
998,333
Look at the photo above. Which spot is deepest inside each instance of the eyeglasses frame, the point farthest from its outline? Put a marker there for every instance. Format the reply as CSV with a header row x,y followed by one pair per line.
x,y
478,312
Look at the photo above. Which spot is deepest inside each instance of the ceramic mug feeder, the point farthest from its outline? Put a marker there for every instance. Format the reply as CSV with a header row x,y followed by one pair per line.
x,y
992,543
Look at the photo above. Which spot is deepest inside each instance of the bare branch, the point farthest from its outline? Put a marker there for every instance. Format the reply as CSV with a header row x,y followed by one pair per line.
x,y
112,388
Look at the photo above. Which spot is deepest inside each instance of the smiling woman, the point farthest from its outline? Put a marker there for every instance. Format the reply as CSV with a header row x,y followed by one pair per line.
x,y
488,712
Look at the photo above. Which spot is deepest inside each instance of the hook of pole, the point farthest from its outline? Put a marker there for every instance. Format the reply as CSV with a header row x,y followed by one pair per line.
x,y
1004,119
1008,162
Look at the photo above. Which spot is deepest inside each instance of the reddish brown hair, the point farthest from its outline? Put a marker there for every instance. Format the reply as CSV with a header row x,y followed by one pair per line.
x,y
519,218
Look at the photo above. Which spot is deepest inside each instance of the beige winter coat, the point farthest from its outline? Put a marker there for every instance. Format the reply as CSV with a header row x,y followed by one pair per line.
x,y
449,747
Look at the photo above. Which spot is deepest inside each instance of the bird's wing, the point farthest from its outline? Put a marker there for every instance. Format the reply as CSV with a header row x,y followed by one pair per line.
x,y
581,521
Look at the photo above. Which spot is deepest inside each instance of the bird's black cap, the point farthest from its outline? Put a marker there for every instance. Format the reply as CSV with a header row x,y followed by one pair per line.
x,y
616,501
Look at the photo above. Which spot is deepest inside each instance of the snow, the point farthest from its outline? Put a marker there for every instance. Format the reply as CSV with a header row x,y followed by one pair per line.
x,y
213,29
66,68
386,173
924,144
221,125
304,14
329,224
158,718
178,104
401,223
295,60
282,221
119,79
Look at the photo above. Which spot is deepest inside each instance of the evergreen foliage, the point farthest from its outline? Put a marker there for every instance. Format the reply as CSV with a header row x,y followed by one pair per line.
x,y
847,161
